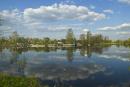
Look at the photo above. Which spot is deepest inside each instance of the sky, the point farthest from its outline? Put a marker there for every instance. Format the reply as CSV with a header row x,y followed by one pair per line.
x,y
52,18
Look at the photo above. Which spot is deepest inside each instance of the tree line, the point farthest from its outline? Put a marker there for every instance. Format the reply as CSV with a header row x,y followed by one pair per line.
x,y
15,40
86,39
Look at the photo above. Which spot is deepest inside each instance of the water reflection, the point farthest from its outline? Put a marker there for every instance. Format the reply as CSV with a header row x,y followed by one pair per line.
x,y
84,51
11,62
69,54
59,66
49,71
36,61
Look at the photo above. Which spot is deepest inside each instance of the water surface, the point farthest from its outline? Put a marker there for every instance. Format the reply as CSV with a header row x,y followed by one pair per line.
x,y
70,67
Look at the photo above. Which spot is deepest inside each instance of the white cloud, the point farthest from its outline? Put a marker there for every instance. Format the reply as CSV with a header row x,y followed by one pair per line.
x,y
31,21
12,20
123,33
116,32
124,26
11,16
62,12
85,30
125,1
108,11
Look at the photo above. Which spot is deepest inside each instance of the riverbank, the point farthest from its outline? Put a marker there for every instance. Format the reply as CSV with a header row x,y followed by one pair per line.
x,y
17,81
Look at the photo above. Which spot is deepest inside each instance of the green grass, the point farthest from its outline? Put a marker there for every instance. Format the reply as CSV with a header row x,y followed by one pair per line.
x,y
17,81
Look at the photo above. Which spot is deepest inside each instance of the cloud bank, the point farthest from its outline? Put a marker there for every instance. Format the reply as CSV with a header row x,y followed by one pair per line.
x,y
124,26
55,17
60,12
120,31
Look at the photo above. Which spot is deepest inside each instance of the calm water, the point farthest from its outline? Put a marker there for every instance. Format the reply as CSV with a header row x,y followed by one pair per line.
x,y
69,67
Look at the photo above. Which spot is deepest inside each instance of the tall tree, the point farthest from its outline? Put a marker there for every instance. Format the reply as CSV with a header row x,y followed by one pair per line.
x,y
89,37
70,39
0,20
46,41
14,35
14,38
0,25
82,39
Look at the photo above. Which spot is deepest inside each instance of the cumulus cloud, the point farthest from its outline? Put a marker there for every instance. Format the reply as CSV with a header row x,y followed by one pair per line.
x,y
61,12
12,20
11,17
85,30
47,18
124,26
108,11
125,1
123,33
120,31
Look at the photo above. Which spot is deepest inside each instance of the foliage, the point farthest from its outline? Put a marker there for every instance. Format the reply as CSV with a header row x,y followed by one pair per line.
x,y
93,40
15,40
70,39
11,81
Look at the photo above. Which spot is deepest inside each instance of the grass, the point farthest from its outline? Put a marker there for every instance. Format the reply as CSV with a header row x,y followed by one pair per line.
x,y
17,81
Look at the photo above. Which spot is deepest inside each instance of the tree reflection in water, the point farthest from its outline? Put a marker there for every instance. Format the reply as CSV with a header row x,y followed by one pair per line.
x,y
69,54
15,64
40,66
86,51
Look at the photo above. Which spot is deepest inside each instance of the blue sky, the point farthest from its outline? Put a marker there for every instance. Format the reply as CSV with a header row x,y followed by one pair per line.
x,y
52,18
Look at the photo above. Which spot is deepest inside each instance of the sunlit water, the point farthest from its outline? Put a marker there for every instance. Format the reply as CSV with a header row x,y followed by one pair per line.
x,y
86,67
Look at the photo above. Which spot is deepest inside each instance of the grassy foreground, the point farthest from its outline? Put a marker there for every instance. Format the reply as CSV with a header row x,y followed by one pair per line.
x,y
16,81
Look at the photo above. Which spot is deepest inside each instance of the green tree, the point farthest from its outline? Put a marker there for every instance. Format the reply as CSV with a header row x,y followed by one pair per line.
x,y
46,41
82,39
14,38
70,39
17,41
88,37
0,25
1,20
